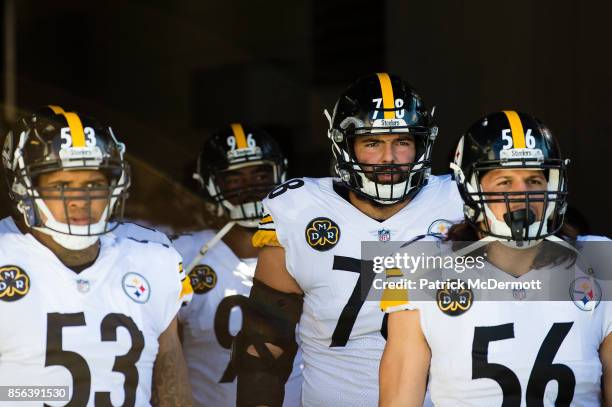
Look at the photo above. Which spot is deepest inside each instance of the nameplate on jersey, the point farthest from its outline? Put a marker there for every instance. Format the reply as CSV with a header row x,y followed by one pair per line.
x,y
322,234
455,299
203,278
136,287
14,283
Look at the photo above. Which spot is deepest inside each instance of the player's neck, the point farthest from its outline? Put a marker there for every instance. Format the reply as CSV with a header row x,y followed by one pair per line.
x,y
373,210
71,258
239,240
515,262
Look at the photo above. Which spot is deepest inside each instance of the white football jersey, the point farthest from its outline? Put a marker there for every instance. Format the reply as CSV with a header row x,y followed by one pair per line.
x,y
142,233
489,353
96,331
321,233
221,282
124,229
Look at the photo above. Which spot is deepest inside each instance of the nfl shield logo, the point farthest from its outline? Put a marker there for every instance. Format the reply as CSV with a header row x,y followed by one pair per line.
x,y
384,235
82,285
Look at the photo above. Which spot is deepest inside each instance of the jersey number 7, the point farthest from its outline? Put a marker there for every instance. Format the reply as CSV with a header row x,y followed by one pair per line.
x,y
349,313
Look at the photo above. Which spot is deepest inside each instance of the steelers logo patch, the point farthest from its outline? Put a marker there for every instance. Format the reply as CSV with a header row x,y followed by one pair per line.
x,y
439,228
136,287
585,293
322,234
203,278
454,302
14,283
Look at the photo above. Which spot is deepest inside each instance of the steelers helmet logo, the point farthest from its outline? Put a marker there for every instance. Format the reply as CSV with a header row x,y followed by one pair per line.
x,y
454,302
14,283
203,278
322,234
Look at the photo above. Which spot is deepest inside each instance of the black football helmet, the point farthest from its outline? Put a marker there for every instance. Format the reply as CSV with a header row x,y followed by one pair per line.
x,y
50,140
233,147
375,105
511,140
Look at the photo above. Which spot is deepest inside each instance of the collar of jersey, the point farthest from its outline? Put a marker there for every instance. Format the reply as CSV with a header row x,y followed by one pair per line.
x,y
405,216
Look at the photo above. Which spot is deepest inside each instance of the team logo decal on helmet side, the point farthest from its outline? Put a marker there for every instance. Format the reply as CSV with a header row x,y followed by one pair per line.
x,y
14,283
454,302
136,287
322,234
585,292
203,278
439,228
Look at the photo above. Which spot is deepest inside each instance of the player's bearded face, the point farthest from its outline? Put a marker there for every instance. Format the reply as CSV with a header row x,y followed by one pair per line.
x,y
387,151
74,197
514,180
247,184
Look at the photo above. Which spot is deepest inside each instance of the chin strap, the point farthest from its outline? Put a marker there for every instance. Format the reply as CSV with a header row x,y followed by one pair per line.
x,y
519,221
209,245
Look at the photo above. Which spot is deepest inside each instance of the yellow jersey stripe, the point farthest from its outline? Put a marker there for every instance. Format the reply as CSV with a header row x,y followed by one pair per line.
x,y
186,288
387,95
395,272
263,238
393,297
239,135
266,219
516,127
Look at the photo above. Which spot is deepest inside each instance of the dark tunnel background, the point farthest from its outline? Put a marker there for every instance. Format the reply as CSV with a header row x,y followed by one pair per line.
x,y
165,73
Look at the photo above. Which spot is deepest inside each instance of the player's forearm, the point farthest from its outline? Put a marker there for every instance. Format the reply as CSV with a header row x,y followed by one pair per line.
x,y
170,381
265,347
401,383
405,362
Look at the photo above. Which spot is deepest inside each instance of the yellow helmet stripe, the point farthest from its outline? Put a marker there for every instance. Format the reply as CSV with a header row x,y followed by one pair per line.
x,y
387,95
239,135
76,129
516,127
56,109
74,122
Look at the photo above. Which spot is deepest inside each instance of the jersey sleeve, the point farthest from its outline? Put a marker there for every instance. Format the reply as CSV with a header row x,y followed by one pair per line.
x,y
173,286
141,233
266,232
401,299
188,246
